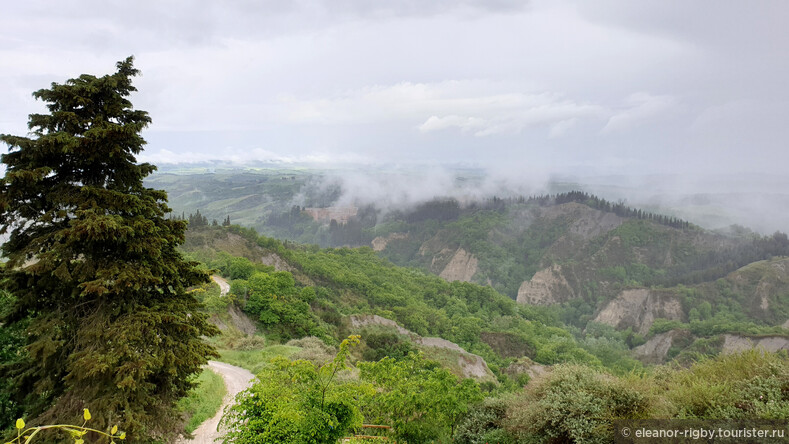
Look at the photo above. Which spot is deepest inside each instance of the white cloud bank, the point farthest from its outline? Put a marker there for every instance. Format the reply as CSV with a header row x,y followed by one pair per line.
x,y
478,108
639,109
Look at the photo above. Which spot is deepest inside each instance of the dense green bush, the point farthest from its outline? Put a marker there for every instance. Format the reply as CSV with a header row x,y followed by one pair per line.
x,y
484,424
240,268
281,307
573,404
239,288
382,345
421,400
297,402
578,404
748,385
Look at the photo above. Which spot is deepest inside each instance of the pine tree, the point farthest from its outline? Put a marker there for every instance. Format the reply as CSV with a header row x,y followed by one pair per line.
x,y
92,261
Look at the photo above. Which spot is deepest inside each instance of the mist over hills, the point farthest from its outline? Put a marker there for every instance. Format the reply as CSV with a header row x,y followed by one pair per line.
x,y
590,258
758,202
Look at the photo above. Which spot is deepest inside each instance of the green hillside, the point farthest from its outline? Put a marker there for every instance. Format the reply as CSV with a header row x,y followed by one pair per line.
x,y
590,262
332,284
293,291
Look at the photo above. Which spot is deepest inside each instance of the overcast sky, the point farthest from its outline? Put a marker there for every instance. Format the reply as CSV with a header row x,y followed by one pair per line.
x,y
563,86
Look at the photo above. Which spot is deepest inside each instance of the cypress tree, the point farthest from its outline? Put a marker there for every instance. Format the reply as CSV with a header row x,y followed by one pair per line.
x,y
93,264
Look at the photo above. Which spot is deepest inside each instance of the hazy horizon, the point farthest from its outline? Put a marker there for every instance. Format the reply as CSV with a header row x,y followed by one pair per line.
x,y
558,87
714,201
654,102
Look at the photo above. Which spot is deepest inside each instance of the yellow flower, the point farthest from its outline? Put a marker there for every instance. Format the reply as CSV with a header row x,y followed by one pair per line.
x,y
122,436
114,430
20,423
86,414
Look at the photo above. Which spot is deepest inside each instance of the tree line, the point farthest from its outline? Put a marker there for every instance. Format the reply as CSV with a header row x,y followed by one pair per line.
x,y
590,200
199,220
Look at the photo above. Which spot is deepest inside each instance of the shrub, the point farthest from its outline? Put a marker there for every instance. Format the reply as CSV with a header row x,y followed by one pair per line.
x,y
249,343
312,349
280,306
483,424
381,345
748,385
421,400
297,402
240,268
240,288
573,404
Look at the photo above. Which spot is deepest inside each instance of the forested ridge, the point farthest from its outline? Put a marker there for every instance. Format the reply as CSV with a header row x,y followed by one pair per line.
x,y
510,236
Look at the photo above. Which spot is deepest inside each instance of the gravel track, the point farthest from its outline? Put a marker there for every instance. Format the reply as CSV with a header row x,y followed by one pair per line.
x,y
236,379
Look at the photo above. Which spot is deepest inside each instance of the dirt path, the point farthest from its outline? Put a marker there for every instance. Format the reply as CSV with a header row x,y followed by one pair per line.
x,y
236,380
224,287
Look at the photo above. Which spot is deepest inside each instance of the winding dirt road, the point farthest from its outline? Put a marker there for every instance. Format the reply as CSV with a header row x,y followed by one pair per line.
x,y
224,286
236,380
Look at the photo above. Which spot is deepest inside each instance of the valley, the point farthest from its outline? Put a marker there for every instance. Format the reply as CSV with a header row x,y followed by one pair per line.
x,y
476,332
405,222
583,259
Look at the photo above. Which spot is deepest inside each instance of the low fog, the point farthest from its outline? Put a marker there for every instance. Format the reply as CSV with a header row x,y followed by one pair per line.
x,y
713,201
402,187
756,201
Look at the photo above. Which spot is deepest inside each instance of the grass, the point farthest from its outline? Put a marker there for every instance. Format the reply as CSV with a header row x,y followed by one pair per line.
x,y
204,400
255,360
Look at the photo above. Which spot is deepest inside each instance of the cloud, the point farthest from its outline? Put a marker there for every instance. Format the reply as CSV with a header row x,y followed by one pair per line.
x,y
704,23
548,83
239,156
562,127
398,187
435,123
479,108
420,8
178,24
394,189
640,108
520,112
